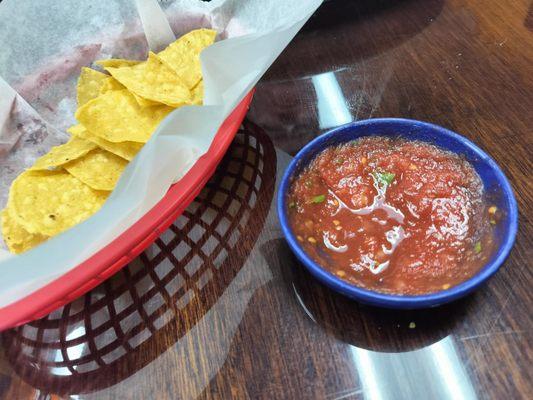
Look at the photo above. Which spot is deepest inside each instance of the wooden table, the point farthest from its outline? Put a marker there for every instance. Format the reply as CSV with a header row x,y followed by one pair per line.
x,y
219,308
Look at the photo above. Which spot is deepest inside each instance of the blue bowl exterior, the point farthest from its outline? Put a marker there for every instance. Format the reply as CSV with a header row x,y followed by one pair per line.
x,y
496,185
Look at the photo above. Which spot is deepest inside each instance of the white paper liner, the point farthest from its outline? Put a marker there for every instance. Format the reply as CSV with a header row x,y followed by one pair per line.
x,y
45,44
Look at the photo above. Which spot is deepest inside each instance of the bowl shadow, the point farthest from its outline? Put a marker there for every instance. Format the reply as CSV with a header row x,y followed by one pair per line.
x,y
368,327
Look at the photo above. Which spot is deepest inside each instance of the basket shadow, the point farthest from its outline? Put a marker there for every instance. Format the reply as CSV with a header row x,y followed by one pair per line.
x,y
131,319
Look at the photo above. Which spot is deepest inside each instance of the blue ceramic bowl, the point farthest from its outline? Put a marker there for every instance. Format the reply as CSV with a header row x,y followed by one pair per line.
x,y
497,188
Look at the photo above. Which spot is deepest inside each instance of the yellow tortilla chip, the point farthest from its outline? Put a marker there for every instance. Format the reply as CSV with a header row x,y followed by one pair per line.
x,y
126,150
198,94
115,116
18,239
111,84
144,102
49,202
116,63
98,169
183,56
152,80
89,85
59,155
78,130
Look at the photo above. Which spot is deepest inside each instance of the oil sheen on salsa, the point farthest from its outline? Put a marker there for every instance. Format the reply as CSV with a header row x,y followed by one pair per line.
x,y
392,215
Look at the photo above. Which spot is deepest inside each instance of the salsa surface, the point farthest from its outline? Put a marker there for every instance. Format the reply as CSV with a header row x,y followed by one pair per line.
x,y
392,215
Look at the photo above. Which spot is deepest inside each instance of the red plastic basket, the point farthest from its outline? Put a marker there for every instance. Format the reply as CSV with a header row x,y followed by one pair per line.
x,y
133,241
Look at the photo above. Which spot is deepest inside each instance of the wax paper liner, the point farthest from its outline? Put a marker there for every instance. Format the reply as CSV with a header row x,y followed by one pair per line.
x,y
44,44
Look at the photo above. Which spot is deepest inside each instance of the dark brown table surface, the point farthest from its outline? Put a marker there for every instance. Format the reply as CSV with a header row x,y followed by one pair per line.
x,y
219,308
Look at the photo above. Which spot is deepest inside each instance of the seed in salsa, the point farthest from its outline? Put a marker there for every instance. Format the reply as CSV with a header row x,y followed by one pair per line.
x,y
392,215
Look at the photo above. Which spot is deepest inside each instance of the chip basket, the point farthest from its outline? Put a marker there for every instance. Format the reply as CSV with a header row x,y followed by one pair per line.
x,y
133,241
204,261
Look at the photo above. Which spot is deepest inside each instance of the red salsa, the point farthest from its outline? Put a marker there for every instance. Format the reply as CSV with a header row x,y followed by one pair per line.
x,y
393,215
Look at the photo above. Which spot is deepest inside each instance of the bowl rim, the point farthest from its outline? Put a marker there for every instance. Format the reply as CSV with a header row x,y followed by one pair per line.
x,y
393,300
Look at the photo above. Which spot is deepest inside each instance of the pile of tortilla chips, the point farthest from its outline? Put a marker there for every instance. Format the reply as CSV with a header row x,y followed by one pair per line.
x,y
117,114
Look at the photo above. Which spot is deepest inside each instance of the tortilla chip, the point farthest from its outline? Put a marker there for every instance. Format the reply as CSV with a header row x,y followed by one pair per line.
x,y
50,202
18,239
116,117
126,150
183,56
111,84
198,94
98,169
144,102
89,85
152,80
78,130
116,63
59,155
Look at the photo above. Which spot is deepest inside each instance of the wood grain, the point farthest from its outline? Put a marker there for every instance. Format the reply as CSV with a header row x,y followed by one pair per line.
x,y
265,329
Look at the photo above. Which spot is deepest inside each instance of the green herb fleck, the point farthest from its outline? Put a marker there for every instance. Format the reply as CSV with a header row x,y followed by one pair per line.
x,y
339,160
477,247
292,204
318,199
385,178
